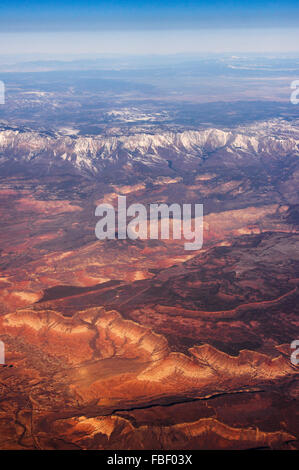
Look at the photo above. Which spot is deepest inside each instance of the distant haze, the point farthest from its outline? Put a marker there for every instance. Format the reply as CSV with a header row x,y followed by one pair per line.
x,y
152,42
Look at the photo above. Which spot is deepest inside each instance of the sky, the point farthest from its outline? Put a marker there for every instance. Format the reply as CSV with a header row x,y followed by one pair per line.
x,y
146,27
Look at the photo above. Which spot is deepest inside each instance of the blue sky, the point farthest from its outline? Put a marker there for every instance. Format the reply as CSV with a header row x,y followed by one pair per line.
x,y
130,26
75,15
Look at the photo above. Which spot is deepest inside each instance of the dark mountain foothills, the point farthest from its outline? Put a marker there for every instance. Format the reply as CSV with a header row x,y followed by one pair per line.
x,y
140,344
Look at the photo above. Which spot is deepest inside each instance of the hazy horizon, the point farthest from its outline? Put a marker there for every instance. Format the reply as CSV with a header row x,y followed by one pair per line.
x,y
131,27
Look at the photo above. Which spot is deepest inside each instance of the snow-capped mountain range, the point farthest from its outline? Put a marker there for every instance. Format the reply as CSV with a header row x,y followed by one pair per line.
x,y
86,154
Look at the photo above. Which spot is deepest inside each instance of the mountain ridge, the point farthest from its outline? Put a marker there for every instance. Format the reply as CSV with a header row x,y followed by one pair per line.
x,y
92,154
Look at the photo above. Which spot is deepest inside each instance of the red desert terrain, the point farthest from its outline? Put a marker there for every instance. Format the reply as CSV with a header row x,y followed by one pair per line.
x,y
139,344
